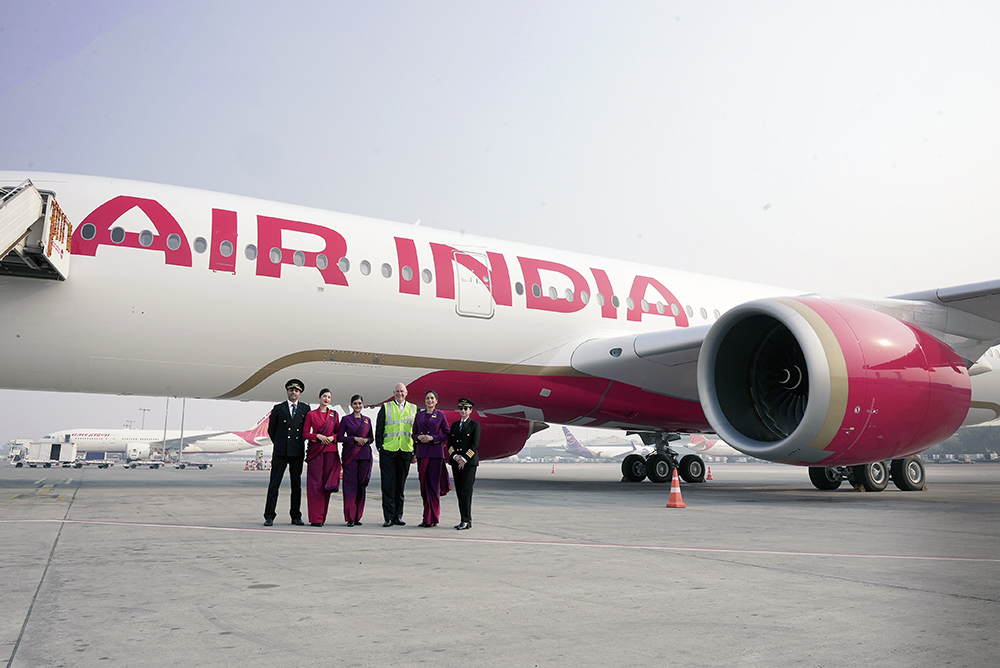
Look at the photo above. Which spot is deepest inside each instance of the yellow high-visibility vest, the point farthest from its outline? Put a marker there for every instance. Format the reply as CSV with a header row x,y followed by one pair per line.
x,y
399,427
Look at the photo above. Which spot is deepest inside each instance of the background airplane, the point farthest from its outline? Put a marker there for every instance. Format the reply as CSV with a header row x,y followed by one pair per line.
x,y
609,452
141,443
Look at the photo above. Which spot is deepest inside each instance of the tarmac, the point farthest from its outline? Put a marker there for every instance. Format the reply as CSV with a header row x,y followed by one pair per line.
x,y
573,568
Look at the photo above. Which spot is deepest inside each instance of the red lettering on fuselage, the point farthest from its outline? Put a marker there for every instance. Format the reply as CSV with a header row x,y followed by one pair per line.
x,y
488,267
271,254
98,227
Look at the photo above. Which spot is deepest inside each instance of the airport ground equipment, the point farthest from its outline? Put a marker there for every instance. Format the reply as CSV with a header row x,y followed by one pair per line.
x,y
190,464
46,455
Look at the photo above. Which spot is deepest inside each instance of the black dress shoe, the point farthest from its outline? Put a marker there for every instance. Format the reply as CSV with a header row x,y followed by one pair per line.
x,y
387,523
357,524
350,524
399,523
423,524
268,523
298,522
315,524
464,525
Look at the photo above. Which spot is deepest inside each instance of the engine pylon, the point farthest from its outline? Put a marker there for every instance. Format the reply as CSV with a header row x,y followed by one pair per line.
x,y
675,500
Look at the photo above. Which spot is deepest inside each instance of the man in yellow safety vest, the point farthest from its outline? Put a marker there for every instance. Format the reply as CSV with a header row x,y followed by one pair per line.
x,y
394,440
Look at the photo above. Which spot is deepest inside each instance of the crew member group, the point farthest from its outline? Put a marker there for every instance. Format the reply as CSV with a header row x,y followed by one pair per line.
x,y
402,435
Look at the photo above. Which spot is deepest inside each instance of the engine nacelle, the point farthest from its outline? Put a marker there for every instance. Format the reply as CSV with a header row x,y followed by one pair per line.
x,y
136,451
818,383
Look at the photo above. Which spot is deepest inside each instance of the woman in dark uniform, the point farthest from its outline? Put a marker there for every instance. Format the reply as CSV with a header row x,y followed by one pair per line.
x,y
430,433
356,437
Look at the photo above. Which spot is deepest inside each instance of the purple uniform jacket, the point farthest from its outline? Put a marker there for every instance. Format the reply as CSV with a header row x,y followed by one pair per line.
x,y
433,424
350,427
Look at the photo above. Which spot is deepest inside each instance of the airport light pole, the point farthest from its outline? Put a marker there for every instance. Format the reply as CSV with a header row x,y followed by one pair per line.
x,y
144,411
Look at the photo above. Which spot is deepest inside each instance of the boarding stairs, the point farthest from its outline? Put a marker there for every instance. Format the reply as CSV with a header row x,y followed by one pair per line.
x,y
34,234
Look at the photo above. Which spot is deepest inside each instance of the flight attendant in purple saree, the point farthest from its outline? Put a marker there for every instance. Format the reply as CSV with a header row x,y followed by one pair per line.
x,y
356,435
322,459
430,433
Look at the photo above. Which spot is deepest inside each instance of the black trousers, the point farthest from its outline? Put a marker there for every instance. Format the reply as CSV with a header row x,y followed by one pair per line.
x,y
278,465
393,468
465,480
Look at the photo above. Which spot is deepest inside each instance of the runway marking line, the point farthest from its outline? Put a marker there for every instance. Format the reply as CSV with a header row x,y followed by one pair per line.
x,y
508,541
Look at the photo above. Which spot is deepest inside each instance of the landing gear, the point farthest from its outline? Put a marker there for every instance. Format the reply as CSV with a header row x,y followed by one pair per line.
x,y
826,478
634,468
874,477
659,468
692,469
908,474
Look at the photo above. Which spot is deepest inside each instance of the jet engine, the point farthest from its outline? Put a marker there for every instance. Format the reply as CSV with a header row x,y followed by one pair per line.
x,y
819,383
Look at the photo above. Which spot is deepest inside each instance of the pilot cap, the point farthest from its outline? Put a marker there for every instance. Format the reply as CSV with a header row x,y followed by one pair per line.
x,y
296,384
463,402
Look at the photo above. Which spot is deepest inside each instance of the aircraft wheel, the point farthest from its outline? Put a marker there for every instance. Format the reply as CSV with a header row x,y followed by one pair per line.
x,y
907,473
658,468
874,476
692,468
634,468
825,478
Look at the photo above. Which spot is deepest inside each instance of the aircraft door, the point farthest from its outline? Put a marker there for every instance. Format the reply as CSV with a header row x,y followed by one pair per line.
x,y
474,297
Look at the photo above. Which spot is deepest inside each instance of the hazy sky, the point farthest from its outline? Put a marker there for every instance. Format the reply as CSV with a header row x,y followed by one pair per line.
x,y
836,147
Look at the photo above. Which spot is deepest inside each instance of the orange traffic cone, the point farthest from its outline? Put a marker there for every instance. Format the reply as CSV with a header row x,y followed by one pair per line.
x,y
553,468
247,467
675,500
709,476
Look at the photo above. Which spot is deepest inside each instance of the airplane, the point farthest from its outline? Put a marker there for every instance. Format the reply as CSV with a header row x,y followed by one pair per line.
x,y
574,447
101,280
141,443
711,446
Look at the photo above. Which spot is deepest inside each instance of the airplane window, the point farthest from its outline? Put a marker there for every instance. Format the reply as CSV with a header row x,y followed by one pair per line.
x,y
553,293
200,245
645,306
716,313
585,297
536,290
674,310
250,252
386,270
299,258
660,308
690,311
174,241
569,295
407,273
321,262
704,313
226,249
145,238
88,231
366,267
600,299
117,235
344,264
630,304
614,301
275,255
518,288
426,275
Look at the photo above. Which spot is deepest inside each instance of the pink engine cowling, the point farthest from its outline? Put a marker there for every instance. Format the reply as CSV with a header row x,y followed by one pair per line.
x,y
820,383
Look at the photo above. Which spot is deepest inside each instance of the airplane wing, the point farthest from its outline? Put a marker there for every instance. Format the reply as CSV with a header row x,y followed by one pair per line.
x,y
175,443
966,317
